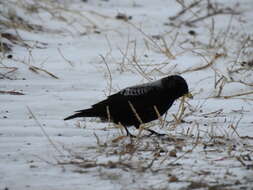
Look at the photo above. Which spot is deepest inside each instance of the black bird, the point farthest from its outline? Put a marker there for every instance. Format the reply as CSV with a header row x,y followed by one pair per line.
x,y
138,104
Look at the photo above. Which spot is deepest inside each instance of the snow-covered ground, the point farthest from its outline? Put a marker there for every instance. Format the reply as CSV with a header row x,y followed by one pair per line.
x,y
67,55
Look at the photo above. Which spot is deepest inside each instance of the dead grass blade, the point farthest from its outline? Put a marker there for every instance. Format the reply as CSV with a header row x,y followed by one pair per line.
x,y
44,132
37,69
109,73
11,92
11,70
207,65
234,95
68,61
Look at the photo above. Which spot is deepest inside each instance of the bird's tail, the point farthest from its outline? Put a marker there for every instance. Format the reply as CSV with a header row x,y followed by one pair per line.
x,y
83,113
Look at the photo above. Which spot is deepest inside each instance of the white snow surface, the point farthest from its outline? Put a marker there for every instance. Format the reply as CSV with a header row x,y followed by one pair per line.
x,y
93,54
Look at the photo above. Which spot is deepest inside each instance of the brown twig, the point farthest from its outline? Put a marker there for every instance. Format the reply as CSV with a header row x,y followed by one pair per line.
x,y
209,63
136,66
109,73
11,92
188,151
165,50
44,132
68,61
135,112
234,95
159,115
216,12
12,69
180,13
36,69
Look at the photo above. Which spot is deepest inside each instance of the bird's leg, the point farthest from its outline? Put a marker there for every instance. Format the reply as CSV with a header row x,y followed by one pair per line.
x,y
152,132
128,133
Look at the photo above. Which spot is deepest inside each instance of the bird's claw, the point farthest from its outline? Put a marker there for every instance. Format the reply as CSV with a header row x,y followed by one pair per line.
x,y
152,132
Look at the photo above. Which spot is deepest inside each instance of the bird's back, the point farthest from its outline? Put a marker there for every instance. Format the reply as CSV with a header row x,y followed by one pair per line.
x,y
135,105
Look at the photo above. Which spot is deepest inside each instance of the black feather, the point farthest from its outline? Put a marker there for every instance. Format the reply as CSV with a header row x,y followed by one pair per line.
x,y
83,113
141,99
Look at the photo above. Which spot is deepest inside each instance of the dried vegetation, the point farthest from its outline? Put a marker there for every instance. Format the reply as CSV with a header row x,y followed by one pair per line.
x,y
175,154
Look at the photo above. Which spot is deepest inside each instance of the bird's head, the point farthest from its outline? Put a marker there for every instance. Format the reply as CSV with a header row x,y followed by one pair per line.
x,y
176,86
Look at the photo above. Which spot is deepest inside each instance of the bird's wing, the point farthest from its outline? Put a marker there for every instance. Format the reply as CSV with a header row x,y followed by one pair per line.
x,y
136,91
134,94
141,90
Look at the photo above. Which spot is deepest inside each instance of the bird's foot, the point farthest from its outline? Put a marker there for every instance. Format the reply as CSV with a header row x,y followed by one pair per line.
x,y
128,133
131,135
152,132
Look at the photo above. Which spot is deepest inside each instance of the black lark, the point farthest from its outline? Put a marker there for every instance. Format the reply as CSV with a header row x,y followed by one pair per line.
x,y
138,104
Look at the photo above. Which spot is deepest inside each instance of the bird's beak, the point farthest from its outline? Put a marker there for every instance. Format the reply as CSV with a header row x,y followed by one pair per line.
x,y
189,95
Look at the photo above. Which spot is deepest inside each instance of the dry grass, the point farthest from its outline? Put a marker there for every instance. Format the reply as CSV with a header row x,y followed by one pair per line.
x,y
216,141
200,11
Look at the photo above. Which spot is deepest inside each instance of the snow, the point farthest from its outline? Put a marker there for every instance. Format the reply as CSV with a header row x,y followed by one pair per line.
x,y
93,55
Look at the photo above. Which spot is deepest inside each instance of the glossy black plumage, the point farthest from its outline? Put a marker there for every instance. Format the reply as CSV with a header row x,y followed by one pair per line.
x,y
135,105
